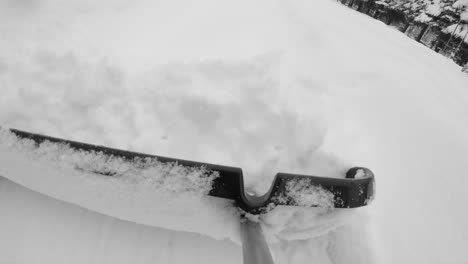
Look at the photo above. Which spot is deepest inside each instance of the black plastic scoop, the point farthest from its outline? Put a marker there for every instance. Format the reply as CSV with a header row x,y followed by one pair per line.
x,y
347,192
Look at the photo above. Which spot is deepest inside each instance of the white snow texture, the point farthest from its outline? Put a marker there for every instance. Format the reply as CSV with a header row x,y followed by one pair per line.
x,y
309,87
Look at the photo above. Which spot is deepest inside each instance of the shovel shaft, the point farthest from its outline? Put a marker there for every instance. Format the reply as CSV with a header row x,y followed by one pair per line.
x,y
254,247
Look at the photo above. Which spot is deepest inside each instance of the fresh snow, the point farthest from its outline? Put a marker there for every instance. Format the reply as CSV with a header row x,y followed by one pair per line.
x,y
309,87
434,9
162,177
303,193
460,31
144,191
423,18
38,229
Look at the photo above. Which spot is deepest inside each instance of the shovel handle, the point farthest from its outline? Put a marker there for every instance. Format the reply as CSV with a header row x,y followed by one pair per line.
x,y
254,247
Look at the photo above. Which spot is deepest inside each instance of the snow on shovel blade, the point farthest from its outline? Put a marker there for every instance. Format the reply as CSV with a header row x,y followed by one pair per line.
x,y
356,189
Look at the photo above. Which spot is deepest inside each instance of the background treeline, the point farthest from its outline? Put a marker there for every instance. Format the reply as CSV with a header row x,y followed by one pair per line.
x,y
441,25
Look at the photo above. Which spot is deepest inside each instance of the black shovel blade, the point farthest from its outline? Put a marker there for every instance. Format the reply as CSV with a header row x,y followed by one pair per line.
x,y
355,189
299,190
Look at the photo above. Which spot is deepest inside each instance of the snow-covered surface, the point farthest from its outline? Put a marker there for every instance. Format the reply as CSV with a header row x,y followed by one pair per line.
x,y
303,193
145,192
176,79
423,18
434,9
166,178
463,6
300,86
38,229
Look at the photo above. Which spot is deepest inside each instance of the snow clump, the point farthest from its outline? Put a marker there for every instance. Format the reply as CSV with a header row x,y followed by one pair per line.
x,y
302,192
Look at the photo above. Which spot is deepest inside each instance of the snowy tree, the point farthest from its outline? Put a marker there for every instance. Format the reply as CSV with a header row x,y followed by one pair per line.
x,y
462,6
451,16
460,28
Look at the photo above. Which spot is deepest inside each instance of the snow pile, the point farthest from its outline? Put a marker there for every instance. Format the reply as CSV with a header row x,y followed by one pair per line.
x,y
360,174
302,192
157,94
163,89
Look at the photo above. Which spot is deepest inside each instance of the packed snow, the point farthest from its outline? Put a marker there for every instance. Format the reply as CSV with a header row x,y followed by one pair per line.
x,y
304,193
308,87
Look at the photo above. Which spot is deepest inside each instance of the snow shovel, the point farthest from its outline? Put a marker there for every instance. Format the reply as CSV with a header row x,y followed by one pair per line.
x,y
356,189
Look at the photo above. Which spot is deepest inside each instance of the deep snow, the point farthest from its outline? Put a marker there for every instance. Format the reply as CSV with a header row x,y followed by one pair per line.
x,y
38,229
300,86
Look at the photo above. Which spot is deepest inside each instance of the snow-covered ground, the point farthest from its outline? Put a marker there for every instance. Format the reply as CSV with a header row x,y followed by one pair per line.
x,y
38,229
299,86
